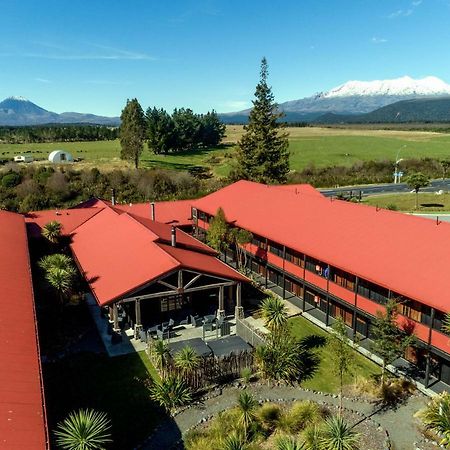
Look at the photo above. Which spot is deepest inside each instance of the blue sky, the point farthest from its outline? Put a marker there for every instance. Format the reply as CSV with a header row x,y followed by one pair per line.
x,y
90,56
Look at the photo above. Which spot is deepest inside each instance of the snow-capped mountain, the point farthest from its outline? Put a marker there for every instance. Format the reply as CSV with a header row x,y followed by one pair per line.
x,y
18,111
355,97
399,86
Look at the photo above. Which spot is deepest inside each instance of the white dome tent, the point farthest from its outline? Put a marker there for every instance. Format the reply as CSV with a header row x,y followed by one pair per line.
x,y
60,156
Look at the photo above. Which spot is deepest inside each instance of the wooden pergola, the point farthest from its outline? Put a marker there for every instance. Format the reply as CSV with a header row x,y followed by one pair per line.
x,y
179,282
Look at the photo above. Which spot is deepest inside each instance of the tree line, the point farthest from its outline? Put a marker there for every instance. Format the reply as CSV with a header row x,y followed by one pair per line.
x,y
164,133
57,133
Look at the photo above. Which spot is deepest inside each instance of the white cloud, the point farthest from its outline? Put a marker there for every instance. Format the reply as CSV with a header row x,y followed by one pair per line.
x,y
42,80
405,12
416,3
378,40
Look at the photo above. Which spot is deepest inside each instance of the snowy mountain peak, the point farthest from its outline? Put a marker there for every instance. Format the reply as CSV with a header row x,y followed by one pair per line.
x,y
399,86
18,98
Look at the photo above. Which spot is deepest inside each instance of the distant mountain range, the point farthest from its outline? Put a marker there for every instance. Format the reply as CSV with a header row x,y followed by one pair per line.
x,y
18,111
356,98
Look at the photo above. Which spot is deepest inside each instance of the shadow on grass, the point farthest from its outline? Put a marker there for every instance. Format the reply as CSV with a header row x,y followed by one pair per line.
x,y
314,341
113,385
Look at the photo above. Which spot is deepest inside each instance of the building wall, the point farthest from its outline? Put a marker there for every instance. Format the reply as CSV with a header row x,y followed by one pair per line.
x,y
341,294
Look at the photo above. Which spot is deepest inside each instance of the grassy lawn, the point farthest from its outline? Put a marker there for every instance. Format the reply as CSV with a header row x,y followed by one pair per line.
x,y
324,380
407,202
319,146
107,384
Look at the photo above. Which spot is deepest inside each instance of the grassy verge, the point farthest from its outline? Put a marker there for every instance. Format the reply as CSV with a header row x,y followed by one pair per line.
x,y
113,385
407,202
324,379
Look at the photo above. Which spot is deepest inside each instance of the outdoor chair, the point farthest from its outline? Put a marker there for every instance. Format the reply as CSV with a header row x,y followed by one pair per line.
x,y
153,330
208,326
160,334
171,323
143,336
196,321
184,321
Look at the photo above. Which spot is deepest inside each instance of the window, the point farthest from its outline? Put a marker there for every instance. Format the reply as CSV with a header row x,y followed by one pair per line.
x,y
315,266
295,257
343,279
276,249
370,290
259,241
202,216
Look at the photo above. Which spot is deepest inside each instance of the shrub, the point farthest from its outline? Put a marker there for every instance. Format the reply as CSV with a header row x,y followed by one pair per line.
x,y
246,374
269,415
11,180
301,414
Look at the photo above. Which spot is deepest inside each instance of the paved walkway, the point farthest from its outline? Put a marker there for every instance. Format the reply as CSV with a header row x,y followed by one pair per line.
x,y
399,422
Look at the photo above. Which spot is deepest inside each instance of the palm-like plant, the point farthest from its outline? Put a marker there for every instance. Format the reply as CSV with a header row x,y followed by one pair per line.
x,y
446,324
289,443
85,429
234,441
338,435
312,436
246,405
436,417
52,231
55,261
187,361
159,353
274,313
170,393
61,280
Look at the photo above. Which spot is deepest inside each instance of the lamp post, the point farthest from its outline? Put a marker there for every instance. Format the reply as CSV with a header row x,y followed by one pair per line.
x,y
397,174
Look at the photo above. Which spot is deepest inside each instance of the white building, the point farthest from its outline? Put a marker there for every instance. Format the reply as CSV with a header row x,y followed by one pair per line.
x,y
60,156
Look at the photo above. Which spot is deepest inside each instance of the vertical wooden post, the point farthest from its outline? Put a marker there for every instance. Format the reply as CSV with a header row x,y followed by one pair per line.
x,y
355,309
116,318
427,367
221,310
138,324
239,310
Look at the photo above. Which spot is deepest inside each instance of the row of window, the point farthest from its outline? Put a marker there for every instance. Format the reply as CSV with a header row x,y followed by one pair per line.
x,y
407,307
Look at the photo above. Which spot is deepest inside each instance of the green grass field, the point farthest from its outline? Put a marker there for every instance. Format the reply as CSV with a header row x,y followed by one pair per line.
x,y
324,379
319,146
407,202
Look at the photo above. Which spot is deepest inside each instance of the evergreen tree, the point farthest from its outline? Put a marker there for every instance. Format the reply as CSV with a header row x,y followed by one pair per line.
x,y
263,154
160,130
217,235
132,131
389,341
212,130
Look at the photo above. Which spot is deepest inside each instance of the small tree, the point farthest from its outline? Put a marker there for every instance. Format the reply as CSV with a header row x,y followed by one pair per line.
x,y
170,393
246,406
187,361
85,429
338,435
132,131
445,164
217,235
159,353
389,341
240,237
52,231
274,313
342,354
417,181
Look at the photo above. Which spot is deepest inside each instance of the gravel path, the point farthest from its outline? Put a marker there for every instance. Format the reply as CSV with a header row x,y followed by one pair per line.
x,y
399,422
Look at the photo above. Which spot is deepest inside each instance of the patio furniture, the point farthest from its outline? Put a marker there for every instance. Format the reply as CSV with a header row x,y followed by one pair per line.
x,y
208,326
196,321
209,319
160,334
142,336
171,323
184,321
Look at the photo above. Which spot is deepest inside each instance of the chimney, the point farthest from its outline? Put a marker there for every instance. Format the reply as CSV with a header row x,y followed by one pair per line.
x,y
174,237
113,196
152,210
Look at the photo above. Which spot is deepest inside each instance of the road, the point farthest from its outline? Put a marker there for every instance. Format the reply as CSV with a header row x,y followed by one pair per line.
x,y
390,188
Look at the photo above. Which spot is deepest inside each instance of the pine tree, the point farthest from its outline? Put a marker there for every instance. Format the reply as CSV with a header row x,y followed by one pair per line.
x,y
263,154
132,131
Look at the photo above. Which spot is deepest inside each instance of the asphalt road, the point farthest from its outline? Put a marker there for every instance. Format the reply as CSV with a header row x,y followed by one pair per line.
x,y
390,188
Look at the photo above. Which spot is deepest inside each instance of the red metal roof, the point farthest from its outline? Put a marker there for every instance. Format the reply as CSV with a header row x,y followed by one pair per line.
x,y
177,212
68,218
22,408
119,253
406,254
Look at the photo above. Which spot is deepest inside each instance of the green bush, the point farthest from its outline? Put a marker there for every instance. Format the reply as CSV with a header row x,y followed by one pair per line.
x,y
11,180
301,414
269,415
